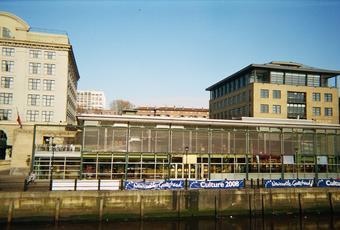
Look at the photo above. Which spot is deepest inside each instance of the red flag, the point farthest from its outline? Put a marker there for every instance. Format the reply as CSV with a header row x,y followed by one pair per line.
x,y
19,120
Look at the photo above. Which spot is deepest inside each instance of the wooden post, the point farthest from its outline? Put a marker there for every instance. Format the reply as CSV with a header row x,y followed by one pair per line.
x,y
331,208
101,207
178,205
57,210
10,211
141,207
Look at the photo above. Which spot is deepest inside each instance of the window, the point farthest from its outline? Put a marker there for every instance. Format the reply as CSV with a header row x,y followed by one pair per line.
x,y
316,97
48,85
295,79
35,53
47,116
6,98
7,66
7,51
264,108
296,97
34,68
49,55
296,111
5,114
49,69
328,111
328,97
276,77
277,109
32,115
48,100
33,99
313,80
277,94
33,84
316,111
6,82
6,33
264,93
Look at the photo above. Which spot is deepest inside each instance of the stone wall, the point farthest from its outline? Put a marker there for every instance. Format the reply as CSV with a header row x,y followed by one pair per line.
x,y
100,205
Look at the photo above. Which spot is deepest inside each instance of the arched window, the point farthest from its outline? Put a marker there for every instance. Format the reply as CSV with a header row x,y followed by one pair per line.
x,y
6,33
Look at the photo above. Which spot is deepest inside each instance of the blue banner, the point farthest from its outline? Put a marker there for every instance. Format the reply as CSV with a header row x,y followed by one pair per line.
x,y
154,185
289,183
328,183
215,184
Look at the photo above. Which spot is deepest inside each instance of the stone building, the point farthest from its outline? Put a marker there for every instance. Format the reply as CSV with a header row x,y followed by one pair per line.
x,y
39,78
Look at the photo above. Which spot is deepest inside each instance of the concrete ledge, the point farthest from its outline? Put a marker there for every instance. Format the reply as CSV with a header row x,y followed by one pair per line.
x,y
108,205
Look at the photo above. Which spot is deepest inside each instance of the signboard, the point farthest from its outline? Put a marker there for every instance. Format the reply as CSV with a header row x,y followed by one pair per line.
x,y
154,185
290,183
288,160
109,185
215,184
63,185
87,184
321,160
328,183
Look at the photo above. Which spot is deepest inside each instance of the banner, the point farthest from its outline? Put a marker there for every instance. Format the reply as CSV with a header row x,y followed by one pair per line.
x,y
328,183
154,185
290,183
215,184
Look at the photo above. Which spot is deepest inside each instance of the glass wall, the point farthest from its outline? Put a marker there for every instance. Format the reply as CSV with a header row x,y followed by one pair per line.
x,y
148,152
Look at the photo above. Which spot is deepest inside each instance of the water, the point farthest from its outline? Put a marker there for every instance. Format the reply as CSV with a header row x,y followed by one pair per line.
x,y
289,222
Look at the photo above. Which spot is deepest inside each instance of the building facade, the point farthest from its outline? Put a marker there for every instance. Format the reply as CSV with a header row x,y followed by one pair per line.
x,y
91,100
39,78
142,147
277,90
38,74
172,112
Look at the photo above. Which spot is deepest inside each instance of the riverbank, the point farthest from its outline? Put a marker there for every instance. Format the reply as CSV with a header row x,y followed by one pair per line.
x,y
100,205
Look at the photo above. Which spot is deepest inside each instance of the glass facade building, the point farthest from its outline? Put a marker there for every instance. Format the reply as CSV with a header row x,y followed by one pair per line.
x,y
124,147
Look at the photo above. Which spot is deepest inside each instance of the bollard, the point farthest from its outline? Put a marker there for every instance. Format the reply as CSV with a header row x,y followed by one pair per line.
x,y
10,211
75,184
121,184
244,183
262,182
251,183
258,182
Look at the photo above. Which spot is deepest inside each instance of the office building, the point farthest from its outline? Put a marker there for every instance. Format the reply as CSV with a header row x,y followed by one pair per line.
x,y
90,100
39,78
277,90
38,74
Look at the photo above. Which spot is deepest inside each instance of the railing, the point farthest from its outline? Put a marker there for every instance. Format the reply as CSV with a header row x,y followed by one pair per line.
x,y
58,148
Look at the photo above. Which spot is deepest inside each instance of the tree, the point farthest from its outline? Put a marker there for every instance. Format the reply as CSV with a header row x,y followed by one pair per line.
x,y
119,105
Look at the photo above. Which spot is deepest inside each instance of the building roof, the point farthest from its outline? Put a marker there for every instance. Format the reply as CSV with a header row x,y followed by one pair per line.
x,y
279,65
172,109
213,123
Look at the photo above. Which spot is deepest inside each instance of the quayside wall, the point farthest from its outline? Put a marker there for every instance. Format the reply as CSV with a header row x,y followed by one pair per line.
x,y
103,205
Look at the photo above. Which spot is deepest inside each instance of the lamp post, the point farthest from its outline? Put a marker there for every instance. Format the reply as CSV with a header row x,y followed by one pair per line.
x,y
297,163
52,161
186,162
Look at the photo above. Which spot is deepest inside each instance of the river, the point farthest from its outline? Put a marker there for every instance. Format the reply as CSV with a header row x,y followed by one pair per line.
x,y
289,222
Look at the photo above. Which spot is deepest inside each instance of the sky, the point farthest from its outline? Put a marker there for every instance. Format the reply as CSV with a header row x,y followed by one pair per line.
x,y
166,53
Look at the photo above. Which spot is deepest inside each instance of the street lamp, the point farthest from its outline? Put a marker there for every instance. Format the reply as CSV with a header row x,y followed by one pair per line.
x,y
186,162
297,163
52,161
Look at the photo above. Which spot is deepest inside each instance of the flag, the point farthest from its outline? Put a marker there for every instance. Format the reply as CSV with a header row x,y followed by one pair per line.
x,y
19,120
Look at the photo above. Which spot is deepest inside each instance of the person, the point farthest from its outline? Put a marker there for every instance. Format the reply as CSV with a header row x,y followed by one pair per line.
x,y
30,178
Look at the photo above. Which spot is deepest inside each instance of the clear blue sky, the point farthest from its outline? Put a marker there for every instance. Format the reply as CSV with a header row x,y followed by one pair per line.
x,y
168,52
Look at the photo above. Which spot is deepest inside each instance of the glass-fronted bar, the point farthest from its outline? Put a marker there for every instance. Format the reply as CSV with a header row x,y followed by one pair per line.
x,y
150,150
